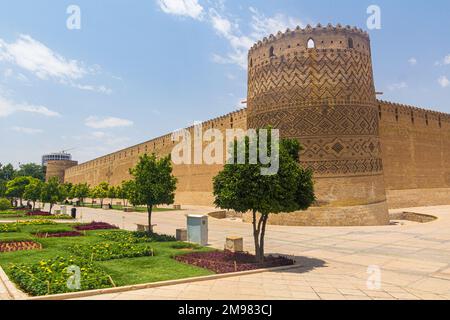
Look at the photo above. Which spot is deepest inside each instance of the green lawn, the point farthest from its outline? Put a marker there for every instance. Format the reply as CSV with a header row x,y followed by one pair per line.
x,y
21,215
125,271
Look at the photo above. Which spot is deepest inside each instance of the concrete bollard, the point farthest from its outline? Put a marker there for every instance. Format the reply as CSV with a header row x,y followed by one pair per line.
x,y
234,244
181,234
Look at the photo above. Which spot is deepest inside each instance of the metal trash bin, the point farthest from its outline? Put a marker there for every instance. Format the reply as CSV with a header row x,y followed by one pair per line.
x,y
197,229
73,212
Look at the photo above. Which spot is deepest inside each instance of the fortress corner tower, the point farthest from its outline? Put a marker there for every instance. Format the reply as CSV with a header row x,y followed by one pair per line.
x,y
316,85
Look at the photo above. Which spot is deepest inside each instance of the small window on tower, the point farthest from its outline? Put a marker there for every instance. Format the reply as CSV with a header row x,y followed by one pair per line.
x,y
271,52
350,43
311,44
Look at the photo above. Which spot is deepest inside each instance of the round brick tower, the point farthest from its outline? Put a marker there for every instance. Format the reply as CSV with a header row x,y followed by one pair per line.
x,y
316,85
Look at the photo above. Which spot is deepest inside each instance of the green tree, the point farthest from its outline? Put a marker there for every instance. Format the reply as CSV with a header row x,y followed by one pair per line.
x,y
2,188
53,192
112,194
5,204
242,187
31,170
33,191
81,191
15,188
124,191
153,183
100,192
68,186
7,172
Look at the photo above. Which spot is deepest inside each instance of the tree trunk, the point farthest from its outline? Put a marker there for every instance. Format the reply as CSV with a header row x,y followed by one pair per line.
x,y
263,234
255,235
51,206
34,205
149,210
259,233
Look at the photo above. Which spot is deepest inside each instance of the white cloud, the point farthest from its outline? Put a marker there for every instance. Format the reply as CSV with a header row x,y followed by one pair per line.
x,y
26,130
35,57
398,86
240,42
39,110
100,89
107,139
444,82
187,8
412,61
445,61
38,59
107,122
263,26
8,107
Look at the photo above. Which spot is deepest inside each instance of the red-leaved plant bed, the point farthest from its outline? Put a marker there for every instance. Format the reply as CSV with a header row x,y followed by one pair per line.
x,y
59,234
227,262
95,226
39,213
11,246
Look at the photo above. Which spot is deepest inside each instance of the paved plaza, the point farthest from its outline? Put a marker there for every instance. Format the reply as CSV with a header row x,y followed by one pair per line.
x,y
411,259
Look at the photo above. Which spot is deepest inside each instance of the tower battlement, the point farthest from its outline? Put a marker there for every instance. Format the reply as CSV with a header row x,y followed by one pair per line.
x,y
316,85
301,40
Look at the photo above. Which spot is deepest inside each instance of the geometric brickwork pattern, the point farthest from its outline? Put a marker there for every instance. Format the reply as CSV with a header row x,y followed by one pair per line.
x,y
326,99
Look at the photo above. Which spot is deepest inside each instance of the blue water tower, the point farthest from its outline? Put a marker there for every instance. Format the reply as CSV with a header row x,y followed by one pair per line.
x,y
197,229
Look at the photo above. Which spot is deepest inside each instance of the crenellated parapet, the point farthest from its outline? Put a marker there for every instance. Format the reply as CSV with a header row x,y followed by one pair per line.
x,y
310,39
413,115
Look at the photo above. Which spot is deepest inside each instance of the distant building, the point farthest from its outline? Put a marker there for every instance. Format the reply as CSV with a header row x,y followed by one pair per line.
x,y
60,156
57,164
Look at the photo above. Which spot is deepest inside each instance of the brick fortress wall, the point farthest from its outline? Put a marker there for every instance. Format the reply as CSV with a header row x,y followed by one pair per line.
x,y
361,150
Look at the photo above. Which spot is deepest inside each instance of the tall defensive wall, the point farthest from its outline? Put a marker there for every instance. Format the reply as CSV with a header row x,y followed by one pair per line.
x,y
316,85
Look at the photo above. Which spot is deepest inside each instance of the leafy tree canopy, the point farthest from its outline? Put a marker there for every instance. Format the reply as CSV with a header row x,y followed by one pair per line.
x,y
242,187
31,170
153,183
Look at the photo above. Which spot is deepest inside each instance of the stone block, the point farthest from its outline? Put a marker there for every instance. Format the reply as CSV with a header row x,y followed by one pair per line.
x,y
181,234
234,244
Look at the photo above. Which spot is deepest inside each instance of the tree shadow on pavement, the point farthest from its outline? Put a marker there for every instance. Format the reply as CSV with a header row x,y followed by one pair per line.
x,y
304,264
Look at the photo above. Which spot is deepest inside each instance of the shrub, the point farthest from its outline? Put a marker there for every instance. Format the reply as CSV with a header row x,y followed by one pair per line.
x,y
52,276
135,237
226,261
155,237
38,213
48,229
109,251
9,213
95,226
185,245
4,204
37,222
63,234
8,227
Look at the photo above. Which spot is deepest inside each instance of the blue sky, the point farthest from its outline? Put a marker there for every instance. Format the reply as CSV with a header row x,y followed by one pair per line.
x,y
138,69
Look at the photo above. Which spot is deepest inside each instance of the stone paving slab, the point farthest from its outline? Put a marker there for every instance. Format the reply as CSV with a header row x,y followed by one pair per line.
x,y
413,259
